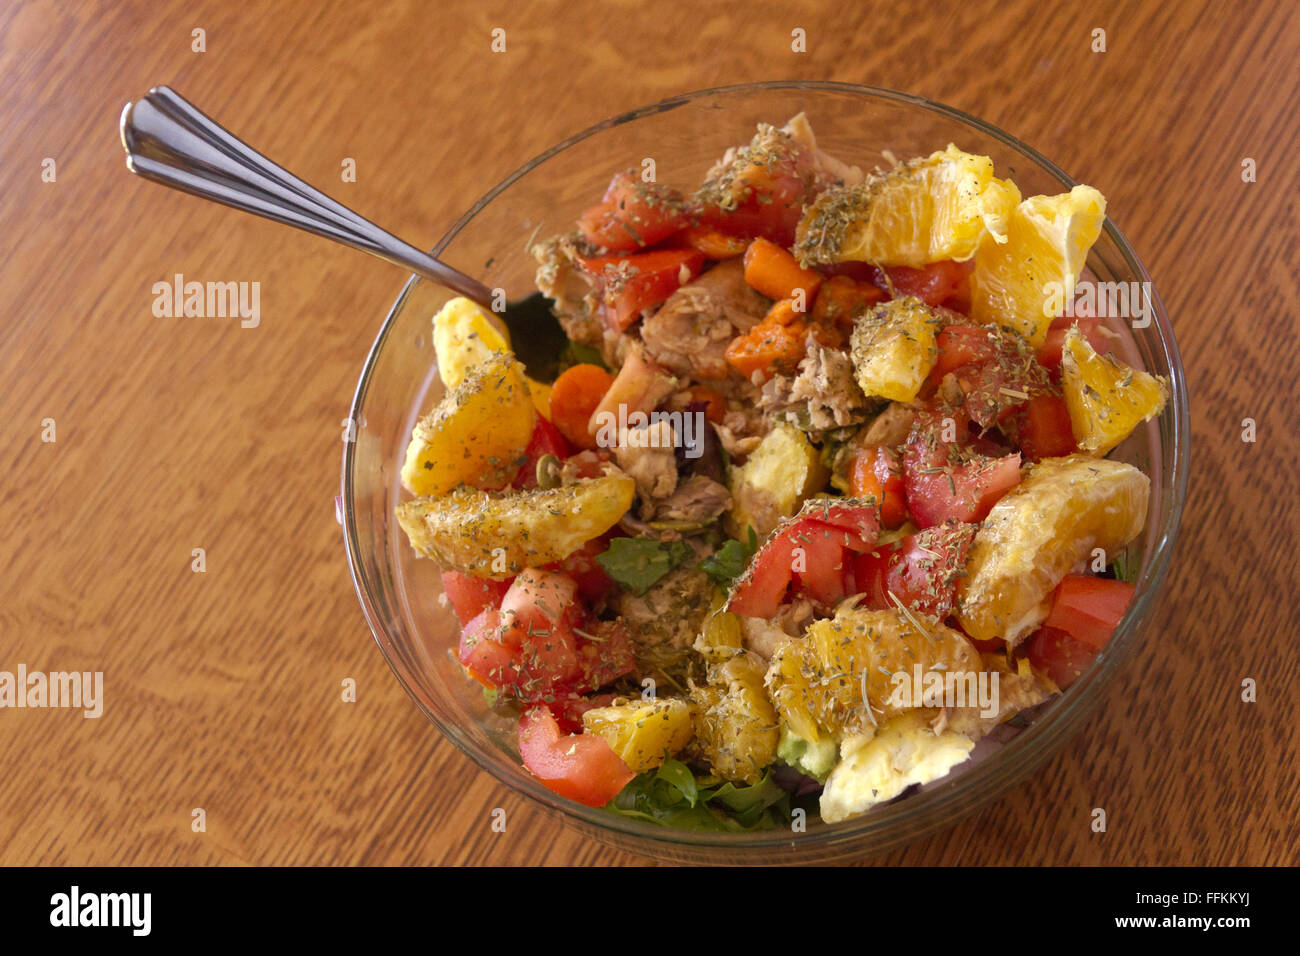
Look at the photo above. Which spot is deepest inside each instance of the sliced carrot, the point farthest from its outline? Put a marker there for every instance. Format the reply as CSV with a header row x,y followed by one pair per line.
x,y
875,473
714,244
778,343
863,481
775,273
841,299
574,397
783,313
767,348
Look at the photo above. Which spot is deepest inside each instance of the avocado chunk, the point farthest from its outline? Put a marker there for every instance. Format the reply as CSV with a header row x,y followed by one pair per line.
x,y
815,760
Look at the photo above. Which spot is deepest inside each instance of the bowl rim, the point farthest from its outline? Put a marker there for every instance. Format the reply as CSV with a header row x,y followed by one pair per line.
x,y
944,802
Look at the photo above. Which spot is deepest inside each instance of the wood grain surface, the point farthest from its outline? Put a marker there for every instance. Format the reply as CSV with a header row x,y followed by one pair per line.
x,y
222,688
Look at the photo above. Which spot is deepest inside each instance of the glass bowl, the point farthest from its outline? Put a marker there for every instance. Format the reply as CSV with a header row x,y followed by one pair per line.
x,y
685,135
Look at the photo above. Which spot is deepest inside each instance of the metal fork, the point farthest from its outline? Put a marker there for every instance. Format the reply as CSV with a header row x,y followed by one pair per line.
x,y
169,141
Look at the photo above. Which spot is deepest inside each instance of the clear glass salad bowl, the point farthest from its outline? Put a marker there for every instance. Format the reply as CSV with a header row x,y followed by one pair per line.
x,y
685,135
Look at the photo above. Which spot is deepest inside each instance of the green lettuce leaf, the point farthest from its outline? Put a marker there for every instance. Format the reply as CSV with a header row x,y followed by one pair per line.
x,y
637,563
672,796
729,561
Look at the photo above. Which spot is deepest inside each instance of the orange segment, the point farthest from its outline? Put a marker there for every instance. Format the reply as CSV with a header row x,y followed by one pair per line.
x,y
1023,284
1106,398
817,681
933,208
1062,509
894,347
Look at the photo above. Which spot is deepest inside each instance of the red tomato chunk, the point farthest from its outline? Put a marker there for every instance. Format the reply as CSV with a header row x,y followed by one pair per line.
x,y
581,767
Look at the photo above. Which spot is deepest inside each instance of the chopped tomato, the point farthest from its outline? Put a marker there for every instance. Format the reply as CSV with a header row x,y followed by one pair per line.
x,y
538,597
877,474
630,284
932,284
858,527
488,660
812,553
817,561
470,596
776,220
537,618
542,643
765,198
593,583
1045,429
548,662
1089,609
582,767
996,371
1085,612
962,345
546,440
942,424
960,492
921,570
633,214
994,390
569,708
606,654
1049,356
1059,655
760,591
945,482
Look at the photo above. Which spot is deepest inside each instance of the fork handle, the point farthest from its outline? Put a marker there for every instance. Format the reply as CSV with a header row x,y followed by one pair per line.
x,y
169,141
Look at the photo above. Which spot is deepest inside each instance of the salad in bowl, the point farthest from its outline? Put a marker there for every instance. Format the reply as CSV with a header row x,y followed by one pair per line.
x,y
821,506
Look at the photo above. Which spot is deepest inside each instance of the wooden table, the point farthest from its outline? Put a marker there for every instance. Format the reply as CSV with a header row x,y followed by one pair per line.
x,y
223,687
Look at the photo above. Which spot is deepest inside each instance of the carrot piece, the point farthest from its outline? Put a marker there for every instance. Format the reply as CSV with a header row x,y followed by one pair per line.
x,y
768,349
778,343
863,481
840,299
775,273
574,397
715,404
714,244
875,474
783,313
